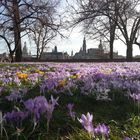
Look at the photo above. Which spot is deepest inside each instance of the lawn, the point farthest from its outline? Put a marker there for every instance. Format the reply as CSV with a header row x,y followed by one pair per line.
x,y
70,101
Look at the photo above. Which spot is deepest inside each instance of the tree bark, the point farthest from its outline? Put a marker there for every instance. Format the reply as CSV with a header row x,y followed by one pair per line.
x,y
11,56
17,32
112,36
111,50
129,52
18,52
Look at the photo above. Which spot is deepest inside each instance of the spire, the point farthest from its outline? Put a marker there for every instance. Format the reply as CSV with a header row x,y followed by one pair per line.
x,y
55,49
84,45
100,45
72,53
24,51
25,47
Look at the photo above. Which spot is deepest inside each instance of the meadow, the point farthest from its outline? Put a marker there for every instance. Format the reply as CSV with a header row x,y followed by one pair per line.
x,y
70,101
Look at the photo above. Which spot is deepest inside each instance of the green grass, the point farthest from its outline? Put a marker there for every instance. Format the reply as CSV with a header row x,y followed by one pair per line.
x,y
119,115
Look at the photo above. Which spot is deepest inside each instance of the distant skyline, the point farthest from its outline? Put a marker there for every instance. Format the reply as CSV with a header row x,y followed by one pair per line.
x,y
76,39
74,42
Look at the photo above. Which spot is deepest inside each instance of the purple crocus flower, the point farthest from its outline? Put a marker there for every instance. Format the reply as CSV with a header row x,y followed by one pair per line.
x,y
37,106
86,121
33,77
13,96
40,105
50,107
102,129
29,105
17,80
50,84
71,113
15,116
135,96
70,106
6,80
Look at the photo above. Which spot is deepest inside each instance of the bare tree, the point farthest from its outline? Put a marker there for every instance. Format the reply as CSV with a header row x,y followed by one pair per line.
x,y
128,23
106,16
42,36
18,15
96,24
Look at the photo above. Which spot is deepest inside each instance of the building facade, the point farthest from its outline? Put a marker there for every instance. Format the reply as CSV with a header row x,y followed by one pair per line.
x,y
54,55
25,52
92,53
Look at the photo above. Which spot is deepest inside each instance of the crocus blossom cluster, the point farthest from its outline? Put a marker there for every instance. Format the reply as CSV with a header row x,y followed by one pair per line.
x,y
40,105
98,79
86,121
102,129
48,84
135,96
14,95
16,116
50,107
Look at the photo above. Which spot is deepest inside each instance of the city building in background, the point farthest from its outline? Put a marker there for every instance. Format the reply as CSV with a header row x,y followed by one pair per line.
x,y
25,52
84,53
54,55
94,53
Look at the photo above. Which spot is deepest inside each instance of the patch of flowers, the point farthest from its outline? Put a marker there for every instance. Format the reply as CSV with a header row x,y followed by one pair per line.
x,y
86,121
31,93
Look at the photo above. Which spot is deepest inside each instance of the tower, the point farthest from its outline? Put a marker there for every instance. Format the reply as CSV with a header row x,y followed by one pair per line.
x,y
84,45
25,51
72,53
101,49
100,45
55,49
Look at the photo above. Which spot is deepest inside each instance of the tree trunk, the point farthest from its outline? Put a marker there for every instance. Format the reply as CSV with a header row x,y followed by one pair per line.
x,y
112,37
11,56
111,48
18,52
41,52
17,32
37,56
129,52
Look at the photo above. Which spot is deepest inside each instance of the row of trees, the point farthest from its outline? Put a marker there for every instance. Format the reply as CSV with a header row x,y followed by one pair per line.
x,y
41,22
111,19
33,18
